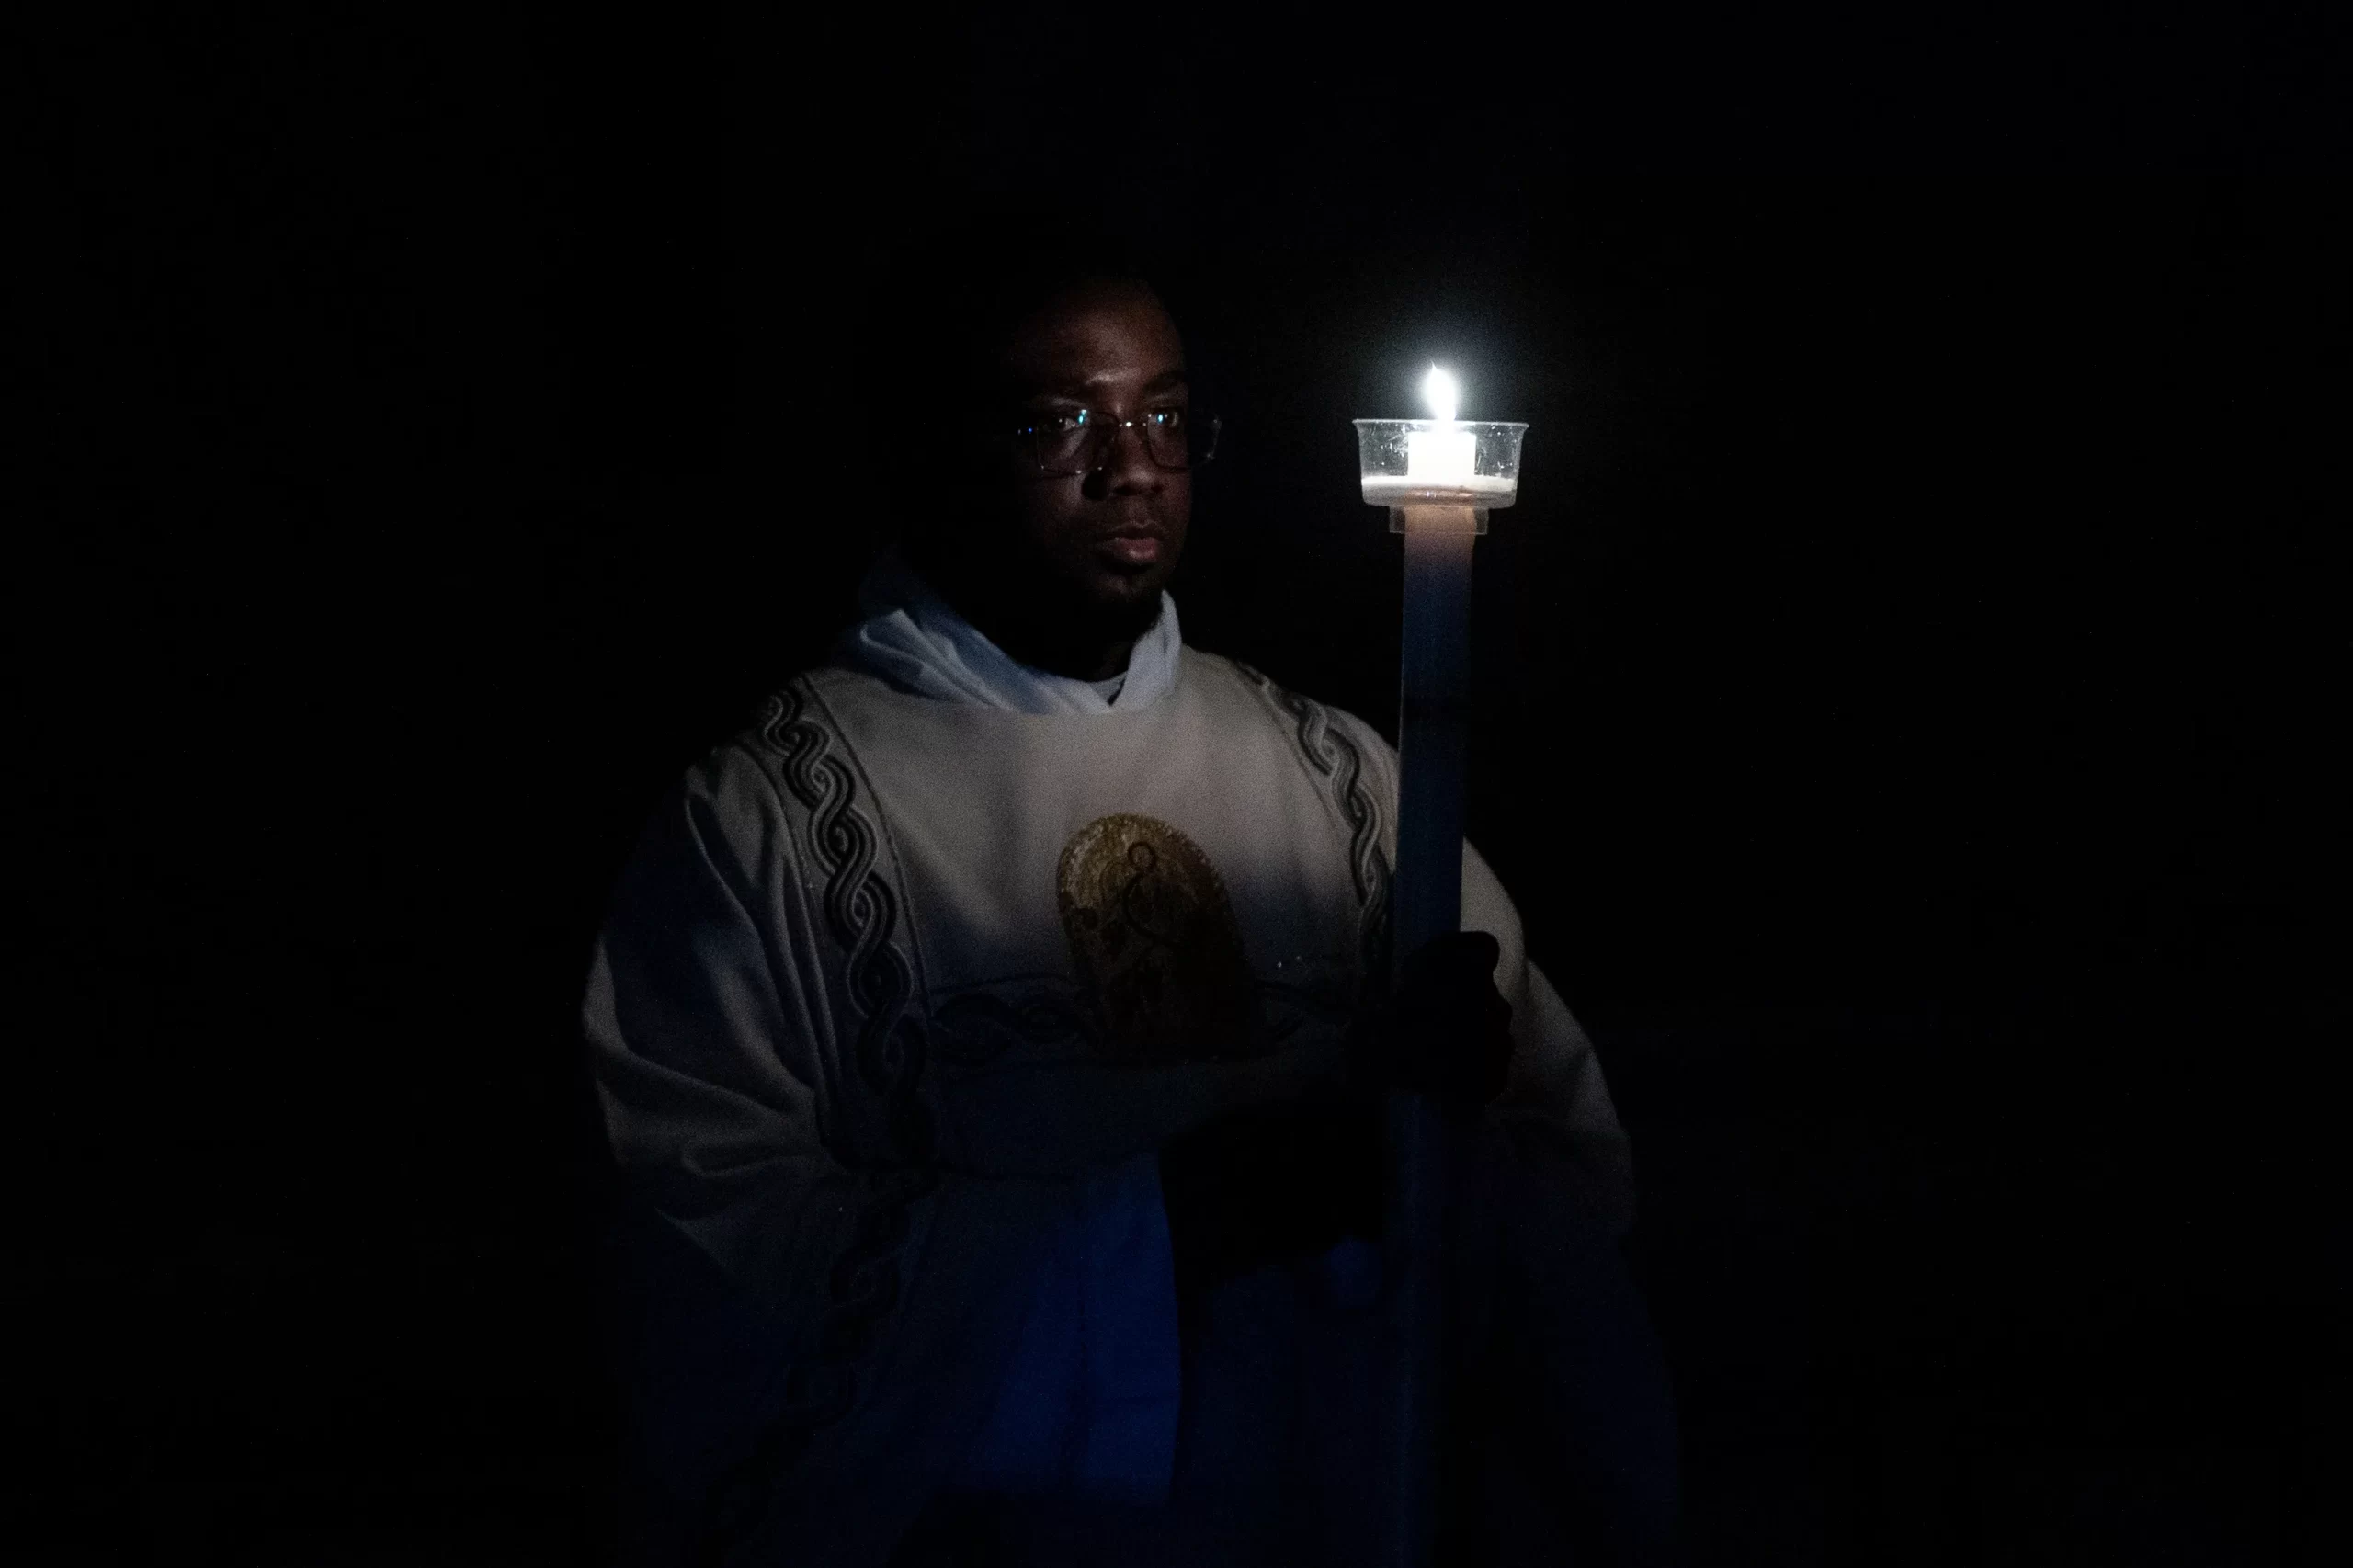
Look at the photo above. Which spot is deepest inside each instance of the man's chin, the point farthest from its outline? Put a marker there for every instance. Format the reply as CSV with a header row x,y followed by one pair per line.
x,y
1123,604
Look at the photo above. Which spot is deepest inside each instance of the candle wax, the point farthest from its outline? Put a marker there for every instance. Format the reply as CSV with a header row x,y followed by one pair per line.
x,y
1486,489
1440,456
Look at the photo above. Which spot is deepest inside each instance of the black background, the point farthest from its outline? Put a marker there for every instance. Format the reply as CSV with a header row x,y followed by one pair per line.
x,y
1909,690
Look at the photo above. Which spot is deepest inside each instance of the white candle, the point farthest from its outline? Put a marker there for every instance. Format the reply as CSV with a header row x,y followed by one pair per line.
x,y
1443,457
1437,458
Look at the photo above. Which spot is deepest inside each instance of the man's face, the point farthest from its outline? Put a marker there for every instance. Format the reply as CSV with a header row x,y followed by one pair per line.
x,y
1102,544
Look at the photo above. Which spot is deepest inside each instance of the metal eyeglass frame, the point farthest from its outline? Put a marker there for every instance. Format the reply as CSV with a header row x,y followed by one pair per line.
x,y
1101,436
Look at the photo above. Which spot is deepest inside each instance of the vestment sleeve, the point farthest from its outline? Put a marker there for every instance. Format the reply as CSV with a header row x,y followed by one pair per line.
x,y
1555,1106
827,1347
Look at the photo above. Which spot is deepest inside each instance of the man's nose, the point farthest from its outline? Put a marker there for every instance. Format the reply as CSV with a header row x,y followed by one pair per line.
x,y
1125,467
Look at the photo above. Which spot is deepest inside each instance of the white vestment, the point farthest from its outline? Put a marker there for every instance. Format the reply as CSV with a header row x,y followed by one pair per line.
x,y
899,995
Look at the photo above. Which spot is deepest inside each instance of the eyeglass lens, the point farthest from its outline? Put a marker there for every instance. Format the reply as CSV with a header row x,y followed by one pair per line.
x,y
1075,443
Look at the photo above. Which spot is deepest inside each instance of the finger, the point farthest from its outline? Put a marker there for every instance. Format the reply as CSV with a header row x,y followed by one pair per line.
x,y
1469,949
1455,963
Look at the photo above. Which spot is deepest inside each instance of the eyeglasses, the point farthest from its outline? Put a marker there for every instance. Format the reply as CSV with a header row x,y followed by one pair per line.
x,y
1079,442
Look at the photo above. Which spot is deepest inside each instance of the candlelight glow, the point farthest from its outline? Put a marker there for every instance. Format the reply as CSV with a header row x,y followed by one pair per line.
x,y
1440,390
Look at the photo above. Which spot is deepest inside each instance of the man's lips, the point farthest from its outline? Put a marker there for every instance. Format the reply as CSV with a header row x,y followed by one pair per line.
x,y
1135,547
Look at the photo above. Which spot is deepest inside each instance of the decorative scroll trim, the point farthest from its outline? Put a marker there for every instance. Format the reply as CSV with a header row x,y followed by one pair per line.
x,y
861,912
1333,755
976,1027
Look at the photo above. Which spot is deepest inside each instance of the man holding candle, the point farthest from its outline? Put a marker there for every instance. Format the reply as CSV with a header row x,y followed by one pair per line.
x,y
995,1035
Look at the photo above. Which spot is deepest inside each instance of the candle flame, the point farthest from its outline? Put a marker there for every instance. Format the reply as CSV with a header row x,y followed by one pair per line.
x,y
1441,391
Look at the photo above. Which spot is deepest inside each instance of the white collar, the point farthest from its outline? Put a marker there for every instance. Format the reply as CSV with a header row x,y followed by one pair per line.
x,y
915,639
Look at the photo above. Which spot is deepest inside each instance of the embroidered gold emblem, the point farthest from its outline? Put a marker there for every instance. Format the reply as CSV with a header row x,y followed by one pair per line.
x,y
1155,942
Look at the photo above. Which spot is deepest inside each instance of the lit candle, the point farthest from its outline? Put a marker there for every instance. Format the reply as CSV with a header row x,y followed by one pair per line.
x,y
1445,458
1439,502
1441,466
